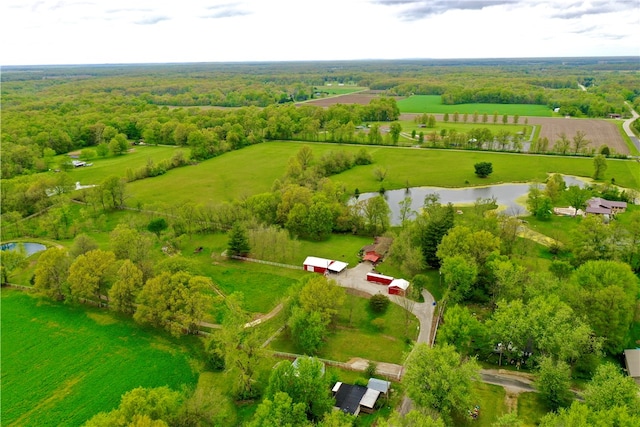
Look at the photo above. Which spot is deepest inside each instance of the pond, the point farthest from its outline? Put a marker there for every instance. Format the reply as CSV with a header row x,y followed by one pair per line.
x,y
30,248
505,195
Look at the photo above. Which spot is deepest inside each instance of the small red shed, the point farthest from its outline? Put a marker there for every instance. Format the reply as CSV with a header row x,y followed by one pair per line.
x,y
379,278
398,287
316,265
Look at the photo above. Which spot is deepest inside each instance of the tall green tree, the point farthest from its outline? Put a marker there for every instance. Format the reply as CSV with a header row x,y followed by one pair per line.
x,y
11,261
279,411
304,383
439,379
123,293
51,272
308,330
433,225
460,329
609,388
459,275
90,274
554,383
175,302
241,348
377,215
238,244
323,296
599,166
605,292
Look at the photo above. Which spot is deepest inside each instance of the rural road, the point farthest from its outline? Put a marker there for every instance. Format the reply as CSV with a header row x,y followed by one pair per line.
x,y
627,127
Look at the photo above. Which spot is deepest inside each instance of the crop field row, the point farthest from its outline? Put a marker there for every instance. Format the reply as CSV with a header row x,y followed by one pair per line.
x,y
62,364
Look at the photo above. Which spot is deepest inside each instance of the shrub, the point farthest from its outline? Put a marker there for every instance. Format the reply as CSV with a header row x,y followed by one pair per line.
x,y
370,371
379,303
483,169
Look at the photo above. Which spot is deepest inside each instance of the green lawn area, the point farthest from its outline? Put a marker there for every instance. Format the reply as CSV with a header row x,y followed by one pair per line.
x,y
433,104
118,165
253,170
355,336
62,364
530,408
490,398
461,127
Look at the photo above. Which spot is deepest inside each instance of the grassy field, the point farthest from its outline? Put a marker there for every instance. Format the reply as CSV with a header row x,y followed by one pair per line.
x,y
490,399
433,104
461,127
253,170
118,165
63,364
355,336
530,409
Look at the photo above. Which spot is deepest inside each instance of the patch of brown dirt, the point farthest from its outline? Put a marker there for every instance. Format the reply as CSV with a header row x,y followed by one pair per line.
x,y
598,132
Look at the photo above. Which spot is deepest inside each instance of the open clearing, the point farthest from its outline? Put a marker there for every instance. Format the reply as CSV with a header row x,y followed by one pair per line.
x,y
253,170
598,132
433,104
63,364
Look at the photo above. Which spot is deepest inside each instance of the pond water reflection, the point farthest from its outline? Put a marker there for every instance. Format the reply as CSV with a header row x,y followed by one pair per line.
x,y
30,248
505,195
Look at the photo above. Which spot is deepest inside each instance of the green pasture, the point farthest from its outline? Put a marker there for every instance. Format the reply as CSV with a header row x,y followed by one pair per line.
x,y
136,158
462,127
355,336
62,364
253,170
433,104
451,168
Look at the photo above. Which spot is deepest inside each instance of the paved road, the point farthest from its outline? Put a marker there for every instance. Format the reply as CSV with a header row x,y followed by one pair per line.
x,y
627,127
356,278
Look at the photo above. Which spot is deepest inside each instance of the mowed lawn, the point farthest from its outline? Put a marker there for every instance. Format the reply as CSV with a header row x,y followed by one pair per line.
x,y
62,364
433,104
253,170
136,158
356,336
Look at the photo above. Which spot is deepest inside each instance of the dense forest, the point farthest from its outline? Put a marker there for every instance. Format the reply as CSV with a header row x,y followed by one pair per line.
x,y
53,110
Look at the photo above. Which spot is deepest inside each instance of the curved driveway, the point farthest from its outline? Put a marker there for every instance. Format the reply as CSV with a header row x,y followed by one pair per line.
x,y
627,127
356,278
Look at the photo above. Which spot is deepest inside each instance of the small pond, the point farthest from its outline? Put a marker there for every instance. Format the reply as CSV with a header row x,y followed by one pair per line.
x,y
30,248
505,194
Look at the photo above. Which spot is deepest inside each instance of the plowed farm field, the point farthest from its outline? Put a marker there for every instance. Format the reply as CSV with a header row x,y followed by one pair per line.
x,y
597,132
362,98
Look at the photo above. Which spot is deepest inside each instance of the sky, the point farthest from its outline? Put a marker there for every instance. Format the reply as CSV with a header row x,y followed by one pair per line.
x,y
142,31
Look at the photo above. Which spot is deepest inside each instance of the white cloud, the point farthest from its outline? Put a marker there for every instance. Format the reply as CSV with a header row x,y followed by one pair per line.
x,y
114,31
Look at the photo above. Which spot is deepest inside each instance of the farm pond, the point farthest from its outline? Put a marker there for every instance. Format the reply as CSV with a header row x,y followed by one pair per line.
x,y
506,196
30,248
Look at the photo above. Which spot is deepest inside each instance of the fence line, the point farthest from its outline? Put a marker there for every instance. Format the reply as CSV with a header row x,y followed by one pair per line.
x,y
342,365
260,261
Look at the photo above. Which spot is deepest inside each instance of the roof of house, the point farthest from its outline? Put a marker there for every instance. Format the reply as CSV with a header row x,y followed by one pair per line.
x,y
348,397
399,283
597,210
599,201
371,256
317,262
370,397
632,356
380,385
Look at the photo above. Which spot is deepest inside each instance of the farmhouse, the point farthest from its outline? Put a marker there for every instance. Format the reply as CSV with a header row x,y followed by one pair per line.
x,y
355,398
632,360
376,251
323,265
398,287
78,163
600,206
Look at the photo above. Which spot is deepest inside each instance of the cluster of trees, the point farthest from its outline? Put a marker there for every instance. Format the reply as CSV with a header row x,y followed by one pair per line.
x,y
169,296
